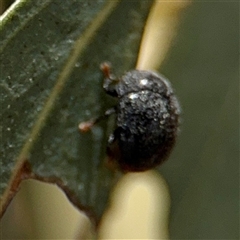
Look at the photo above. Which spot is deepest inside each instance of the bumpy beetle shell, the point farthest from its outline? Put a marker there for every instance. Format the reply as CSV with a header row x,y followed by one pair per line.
x,y
147,121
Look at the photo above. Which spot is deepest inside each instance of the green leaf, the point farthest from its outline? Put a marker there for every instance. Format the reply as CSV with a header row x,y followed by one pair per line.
x,y
50,81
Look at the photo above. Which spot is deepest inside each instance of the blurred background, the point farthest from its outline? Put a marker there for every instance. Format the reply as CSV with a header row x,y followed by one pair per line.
x,y
196,194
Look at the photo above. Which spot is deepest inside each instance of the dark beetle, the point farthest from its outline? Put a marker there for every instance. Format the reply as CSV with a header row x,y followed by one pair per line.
x,y
147,119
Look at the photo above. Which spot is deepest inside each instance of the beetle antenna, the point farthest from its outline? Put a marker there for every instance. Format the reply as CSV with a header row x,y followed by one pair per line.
x,y
106,69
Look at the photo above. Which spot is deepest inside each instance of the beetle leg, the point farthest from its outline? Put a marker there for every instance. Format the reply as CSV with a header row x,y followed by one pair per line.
x,y
114,136
86,126
113,152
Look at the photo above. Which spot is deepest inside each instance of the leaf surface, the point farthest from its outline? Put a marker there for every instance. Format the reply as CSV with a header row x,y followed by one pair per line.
x,y
50,81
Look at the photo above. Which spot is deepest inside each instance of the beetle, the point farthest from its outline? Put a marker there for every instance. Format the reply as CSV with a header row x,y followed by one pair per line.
x,y
147,119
